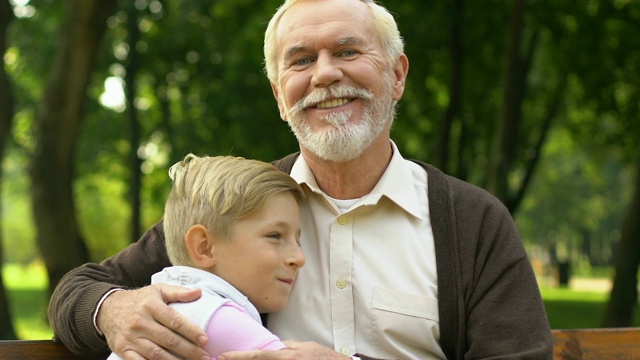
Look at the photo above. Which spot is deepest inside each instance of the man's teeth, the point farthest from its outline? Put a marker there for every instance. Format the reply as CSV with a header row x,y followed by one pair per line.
x,y
332,103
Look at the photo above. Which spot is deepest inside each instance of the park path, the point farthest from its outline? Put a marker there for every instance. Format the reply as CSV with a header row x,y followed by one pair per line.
x,y
590,284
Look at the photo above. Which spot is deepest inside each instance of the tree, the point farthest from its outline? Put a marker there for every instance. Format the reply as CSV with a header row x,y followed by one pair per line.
x,y
58,125
133,64
624,294
191,73
6,116
510,139
486,133
454,108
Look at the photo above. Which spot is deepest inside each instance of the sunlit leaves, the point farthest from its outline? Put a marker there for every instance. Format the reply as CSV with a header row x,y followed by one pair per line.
x,y
200,88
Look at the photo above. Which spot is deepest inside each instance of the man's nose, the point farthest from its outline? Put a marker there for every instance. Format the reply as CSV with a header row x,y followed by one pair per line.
x,y
326,70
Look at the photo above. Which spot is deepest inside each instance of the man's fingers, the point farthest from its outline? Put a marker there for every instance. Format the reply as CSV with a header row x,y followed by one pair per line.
x,y
148,350
157,341
140,325
131,355
172,293
175,321
298,350
291,344
170,340
244,355
179,334
133,343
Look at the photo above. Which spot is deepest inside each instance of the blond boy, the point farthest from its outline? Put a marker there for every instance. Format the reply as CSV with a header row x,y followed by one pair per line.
x,y
232,229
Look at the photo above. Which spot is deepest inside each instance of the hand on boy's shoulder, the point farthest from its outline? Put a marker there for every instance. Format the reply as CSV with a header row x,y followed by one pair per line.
x,y
140,323
301,350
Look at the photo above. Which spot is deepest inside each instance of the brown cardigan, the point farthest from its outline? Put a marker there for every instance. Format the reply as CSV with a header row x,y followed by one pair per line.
x,y
488,298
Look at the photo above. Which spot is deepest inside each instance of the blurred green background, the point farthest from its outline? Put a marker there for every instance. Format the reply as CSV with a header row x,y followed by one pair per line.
x,y
538,102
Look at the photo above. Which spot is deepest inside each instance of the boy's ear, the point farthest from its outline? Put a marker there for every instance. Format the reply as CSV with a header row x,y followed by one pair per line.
x,y
201,246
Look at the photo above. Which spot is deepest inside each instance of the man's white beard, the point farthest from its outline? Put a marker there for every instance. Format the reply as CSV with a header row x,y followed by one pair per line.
x,y
345,140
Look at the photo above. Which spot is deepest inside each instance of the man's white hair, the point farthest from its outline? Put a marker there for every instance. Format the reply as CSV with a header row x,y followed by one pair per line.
x,y
384,24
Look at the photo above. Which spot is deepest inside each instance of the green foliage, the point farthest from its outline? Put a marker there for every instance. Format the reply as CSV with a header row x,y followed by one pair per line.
x,y
577,201
102,217
200,88
19,243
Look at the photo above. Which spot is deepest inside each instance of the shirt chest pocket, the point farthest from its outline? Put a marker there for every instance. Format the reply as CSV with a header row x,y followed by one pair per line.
x,y
401,303
404,319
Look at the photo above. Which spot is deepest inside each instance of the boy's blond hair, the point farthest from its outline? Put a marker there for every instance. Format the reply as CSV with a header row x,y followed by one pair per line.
x,y
217,192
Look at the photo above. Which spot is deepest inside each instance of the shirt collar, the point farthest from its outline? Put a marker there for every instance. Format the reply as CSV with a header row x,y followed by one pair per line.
x,y
396,183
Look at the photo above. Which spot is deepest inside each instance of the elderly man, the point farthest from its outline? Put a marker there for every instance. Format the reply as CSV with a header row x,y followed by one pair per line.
x,y
402,260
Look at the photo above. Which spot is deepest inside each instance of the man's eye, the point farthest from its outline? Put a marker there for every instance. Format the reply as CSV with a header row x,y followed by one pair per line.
x,y
347,53
276,236
302,62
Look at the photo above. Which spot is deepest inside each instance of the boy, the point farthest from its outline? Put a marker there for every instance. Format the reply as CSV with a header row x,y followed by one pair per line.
x,y
232,229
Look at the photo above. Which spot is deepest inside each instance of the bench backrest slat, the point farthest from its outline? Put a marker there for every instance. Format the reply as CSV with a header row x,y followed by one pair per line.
x,y
36,350
580,344
596,344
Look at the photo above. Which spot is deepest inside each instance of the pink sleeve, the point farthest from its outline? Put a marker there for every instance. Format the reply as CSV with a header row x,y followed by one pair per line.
x,y
231,328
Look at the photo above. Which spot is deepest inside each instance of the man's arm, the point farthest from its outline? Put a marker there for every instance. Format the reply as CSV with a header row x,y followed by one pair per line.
x,y
505,315
74,301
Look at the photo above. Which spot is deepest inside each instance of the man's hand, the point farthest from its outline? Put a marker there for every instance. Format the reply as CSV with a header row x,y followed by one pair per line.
x,y
295,350
138,324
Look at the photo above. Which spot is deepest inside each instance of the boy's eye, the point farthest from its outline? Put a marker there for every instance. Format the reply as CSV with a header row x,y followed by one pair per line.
x,y
276,236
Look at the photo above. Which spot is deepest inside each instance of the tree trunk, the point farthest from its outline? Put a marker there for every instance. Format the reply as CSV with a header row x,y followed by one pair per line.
x,y
453,111
134,127
624,294
508,138
6,115
58,125
514,201
507,128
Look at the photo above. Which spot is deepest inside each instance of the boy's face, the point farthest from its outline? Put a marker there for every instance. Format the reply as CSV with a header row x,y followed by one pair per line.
x,y
263,259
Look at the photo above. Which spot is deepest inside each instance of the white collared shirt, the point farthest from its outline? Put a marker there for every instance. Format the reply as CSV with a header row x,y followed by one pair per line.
x,y
369,284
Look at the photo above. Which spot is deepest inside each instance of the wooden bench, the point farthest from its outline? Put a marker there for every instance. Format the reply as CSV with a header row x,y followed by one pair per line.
x,y
596,344
37,350
581,344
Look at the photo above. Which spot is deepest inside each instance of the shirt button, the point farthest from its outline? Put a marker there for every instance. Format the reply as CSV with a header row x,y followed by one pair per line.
x,y
342,220
341,284
344,350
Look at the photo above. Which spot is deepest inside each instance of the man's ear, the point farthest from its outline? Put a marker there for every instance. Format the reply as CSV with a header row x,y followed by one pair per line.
x,y
200,244
276,94
400,72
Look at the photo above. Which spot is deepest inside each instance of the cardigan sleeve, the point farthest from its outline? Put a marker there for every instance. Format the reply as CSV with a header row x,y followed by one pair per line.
x,y
504,316
505,313
73,302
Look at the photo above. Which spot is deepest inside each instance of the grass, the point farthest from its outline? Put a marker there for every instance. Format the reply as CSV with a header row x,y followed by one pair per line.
x,y
29,309
572,309
28,300
566,308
